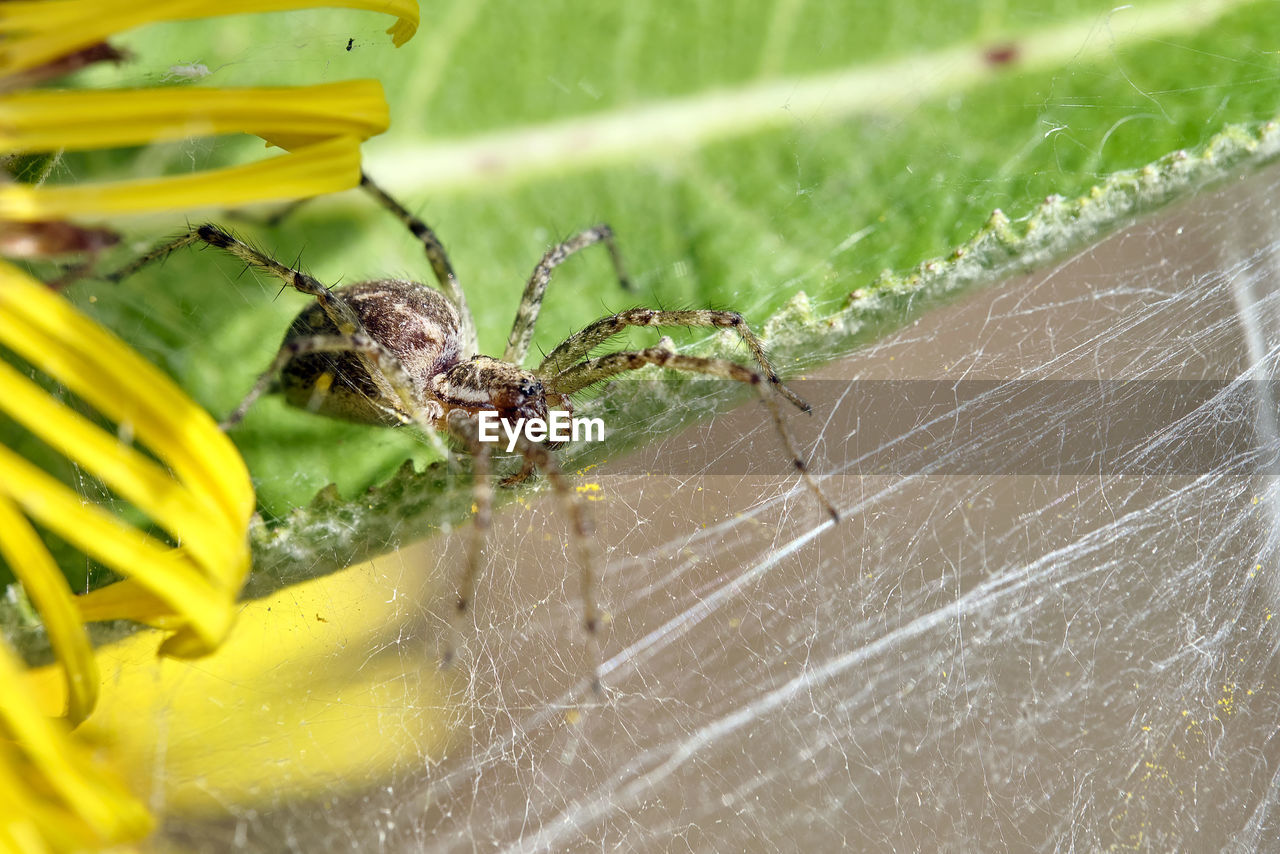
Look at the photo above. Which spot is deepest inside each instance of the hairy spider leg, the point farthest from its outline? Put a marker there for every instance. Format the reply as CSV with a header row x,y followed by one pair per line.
x,y
465,426
593,371
579,344
357,342
531,301
465,429
382,366
337,310
439,260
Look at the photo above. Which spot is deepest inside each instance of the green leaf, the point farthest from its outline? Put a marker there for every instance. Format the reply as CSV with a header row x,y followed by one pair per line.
x,y
746,155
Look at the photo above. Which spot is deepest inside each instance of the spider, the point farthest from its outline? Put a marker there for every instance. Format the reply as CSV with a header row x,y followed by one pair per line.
x,y
394,352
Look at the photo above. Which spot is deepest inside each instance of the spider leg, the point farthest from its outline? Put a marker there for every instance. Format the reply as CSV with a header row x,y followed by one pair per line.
x,y
437,257
337,310
531,302
581,532
300,347
158,252
465,429
386,367
581,343
520,476
594,370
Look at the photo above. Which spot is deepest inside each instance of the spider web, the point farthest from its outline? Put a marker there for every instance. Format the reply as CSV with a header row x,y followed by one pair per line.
x,y
1058,658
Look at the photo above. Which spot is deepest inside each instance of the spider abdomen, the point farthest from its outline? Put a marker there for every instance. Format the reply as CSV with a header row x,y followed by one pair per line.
x,y
413,323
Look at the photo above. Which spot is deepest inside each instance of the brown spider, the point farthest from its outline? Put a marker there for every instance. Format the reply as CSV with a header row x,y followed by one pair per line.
x,y
395,352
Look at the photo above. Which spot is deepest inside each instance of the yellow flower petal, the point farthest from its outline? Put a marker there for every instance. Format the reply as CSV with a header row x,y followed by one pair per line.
x,y
312,684
324,126
33,32
48,590
49,786
81,120
325,167
406,12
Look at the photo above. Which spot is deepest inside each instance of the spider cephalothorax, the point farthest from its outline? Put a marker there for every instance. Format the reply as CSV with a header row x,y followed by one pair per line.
x,y
393,352
483,383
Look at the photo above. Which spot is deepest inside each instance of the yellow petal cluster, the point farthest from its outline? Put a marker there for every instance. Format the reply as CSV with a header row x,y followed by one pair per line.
x,y
313,695
54,796
190,482
123,422
321,126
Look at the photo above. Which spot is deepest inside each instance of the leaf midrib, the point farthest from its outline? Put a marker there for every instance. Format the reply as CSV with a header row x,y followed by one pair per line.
x,y
657,128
